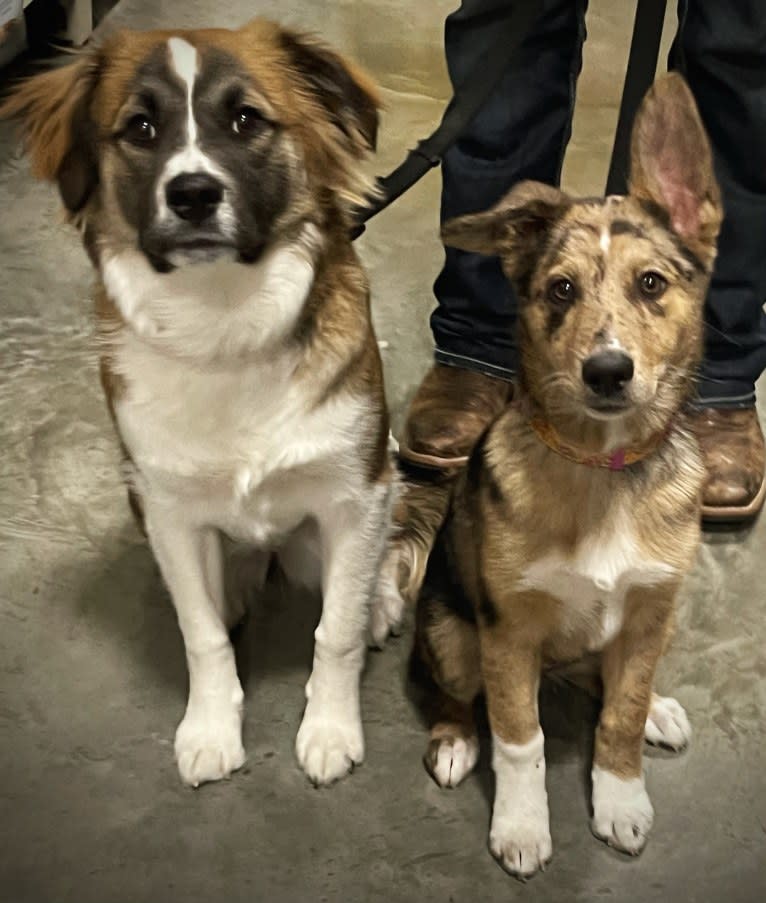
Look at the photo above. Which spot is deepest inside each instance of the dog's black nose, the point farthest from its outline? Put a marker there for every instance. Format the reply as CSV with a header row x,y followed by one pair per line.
x,y
194,196
607,372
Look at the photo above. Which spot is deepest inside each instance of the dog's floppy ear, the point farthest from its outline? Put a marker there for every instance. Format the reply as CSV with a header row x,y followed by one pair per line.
x,y
346,94
671,164
58,135
513,229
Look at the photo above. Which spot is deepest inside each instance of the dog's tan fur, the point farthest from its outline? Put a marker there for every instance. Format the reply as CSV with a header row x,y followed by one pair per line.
x,y
79,104
519,501
320,421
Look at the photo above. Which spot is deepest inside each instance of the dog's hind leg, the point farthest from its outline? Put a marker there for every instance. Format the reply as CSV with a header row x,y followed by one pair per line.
x,y
667,724
447,653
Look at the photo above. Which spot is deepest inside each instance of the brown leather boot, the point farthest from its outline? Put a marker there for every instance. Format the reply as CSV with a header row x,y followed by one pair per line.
x,y
450,410
733,451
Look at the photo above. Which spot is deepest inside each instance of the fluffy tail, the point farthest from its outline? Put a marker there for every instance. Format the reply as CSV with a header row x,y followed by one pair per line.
x,y
418,515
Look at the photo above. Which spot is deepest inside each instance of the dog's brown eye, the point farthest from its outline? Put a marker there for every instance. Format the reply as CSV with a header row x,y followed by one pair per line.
x,y
247,120
562,291
140,130
652,285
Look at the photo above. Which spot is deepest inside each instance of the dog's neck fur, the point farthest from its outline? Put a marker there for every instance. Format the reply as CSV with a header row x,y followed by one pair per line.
x,y
220,312
641,429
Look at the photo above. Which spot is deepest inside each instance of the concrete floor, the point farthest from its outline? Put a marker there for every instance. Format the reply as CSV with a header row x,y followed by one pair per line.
x,y
93,677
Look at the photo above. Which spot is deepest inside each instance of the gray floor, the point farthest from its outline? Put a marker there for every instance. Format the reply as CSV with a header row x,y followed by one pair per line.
x,y
93,678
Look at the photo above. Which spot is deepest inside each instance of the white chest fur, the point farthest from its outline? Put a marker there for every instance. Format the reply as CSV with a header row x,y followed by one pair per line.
x,y
593,581
213,310
213,416
240,448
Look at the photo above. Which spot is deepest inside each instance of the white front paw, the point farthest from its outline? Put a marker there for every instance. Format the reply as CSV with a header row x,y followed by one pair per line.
x,y
328,749
521,842
622,811
209,745
667,724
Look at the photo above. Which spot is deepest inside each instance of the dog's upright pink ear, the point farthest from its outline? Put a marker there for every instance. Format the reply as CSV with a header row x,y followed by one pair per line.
x,y
53,110
671,162
347,95
513,229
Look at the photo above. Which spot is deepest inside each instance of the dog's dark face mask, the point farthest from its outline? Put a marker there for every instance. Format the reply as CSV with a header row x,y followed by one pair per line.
x,y
200,145
200,166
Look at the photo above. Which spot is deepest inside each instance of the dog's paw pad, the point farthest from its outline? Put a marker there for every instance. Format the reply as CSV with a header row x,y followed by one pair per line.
x,y
667,724
622,811
522,846
450,759
328,750
208,749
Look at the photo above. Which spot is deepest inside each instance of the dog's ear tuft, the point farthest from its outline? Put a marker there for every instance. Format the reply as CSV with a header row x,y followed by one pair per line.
x,y
346,94
510,227
53,110
671,161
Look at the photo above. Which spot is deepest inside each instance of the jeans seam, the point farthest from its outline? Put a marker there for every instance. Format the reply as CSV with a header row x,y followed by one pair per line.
x,y
464,361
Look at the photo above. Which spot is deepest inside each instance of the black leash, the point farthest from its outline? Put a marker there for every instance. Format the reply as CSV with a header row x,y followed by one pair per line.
x,y
471,96
639,75
468,99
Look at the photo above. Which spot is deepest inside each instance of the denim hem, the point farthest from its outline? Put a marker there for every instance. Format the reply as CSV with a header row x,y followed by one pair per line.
x,y
450,359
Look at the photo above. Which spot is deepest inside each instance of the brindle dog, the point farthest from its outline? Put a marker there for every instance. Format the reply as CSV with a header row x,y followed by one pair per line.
x,y
577,517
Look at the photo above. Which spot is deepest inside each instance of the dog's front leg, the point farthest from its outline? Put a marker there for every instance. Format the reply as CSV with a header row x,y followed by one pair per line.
x,y
208,743
622,811
330,740
519,836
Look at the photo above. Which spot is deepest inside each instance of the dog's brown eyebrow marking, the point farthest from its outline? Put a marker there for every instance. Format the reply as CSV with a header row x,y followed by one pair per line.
x,y
660,216
623,227
560,243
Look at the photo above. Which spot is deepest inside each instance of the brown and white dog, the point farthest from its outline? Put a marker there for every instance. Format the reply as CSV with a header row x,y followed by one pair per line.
x,y
578,514
212,174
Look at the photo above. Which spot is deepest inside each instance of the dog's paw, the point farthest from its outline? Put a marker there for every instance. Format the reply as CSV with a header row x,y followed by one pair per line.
x,y
328,750
667,724
208,748
388,604
450,759
522,845
622,811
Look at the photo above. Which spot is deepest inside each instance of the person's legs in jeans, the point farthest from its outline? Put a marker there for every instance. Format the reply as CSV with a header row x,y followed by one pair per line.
x,y
521,133
721,50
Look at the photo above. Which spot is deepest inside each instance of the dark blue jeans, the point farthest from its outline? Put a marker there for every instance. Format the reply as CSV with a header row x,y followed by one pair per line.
x,y
522,133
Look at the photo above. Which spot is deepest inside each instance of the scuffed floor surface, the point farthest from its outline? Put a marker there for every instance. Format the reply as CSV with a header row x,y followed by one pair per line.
x,y
93,676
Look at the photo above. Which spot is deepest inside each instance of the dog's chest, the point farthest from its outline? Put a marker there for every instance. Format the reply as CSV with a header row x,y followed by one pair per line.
x,y
592,582
244,445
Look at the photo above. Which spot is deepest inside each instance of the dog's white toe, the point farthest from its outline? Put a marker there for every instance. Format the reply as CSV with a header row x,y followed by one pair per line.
x,y
208,748
622,811
450,759
328,750
521,845
667,724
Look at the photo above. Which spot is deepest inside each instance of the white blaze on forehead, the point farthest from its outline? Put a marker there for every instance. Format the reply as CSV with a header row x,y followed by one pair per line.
x,y
185,63
605,240
183,59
